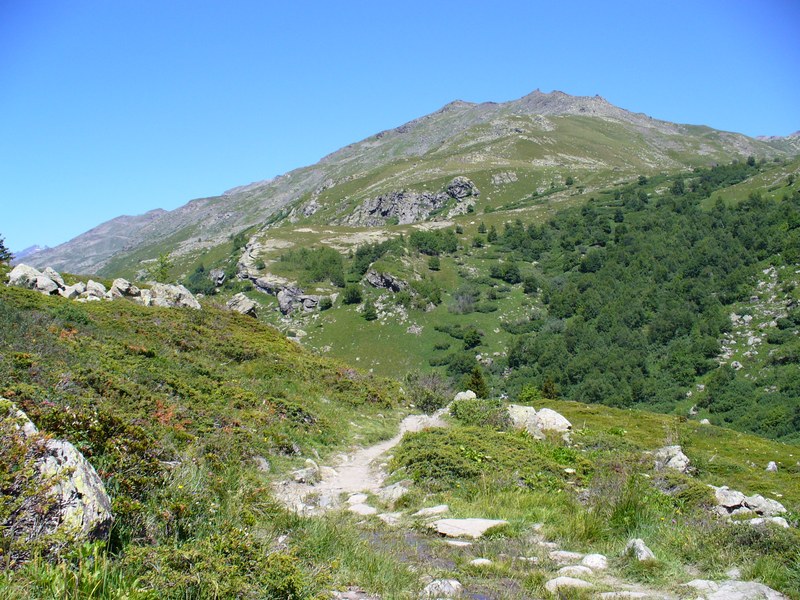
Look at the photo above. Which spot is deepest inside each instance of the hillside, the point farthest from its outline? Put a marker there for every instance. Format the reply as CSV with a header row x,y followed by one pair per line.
x,y
508,150
190,416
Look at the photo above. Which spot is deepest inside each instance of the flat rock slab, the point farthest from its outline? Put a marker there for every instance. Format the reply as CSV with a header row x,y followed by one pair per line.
x,y
734,590
458,543
624,595
563,557
473,528
558,583
595,561
362,509
432,510
575,571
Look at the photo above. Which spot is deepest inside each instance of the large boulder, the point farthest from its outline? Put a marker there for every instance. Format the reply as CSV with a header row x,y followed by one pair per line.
x,y
467,395
244,305
64,494
673,458
540,422
95,289
23,276
74,291
123,287
172,296
460,187
54,276
45,285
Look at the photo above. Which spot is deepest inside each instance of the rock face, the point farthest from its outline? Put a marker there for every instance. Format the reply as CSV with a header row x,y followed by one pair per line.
x,y
409,207
244,305
671,457
539,423
385,281
75,505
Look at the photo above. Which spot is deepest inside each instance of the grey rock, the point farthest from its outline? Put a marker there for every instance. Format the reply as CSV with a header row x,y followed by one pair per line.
x,y
558,583
575,571
772,467
778,521
71,292
539,423
734,590
123,287
480,562
639,550
54,275
77,508
431,511
362,509
172,296
244,305
766,507
287,298
673,458
472,528
595,561
728,498
217,276
392,493
94,288
45,285
565,557
467,395
443,588
460,187
23,276
385,281
705,422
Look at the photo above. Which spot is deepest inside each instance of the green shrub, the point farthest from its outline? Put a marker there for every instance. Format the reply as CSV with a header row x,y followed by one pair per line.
x,y
481,413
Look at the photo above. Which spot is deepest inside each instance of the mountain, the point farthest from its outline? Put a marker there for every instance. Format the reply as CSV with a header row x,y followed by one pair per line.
x,y
505,148
27,253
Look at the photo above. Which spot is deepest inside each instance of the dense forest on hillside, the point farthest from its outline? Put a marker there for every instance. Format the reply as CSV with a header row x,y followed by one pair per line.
x,y
638,291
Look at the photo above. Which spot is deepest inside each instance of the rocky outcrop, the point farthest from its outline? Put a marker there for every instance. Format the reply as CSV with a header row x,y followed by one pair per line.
x,y
244,305
66,496
290,298
731,503
217,276
385,281
50,282
410,207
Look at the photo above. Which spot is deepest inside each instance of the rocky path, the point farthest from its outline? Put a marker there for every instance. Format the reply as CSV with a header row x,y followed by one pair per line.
x,y
354,473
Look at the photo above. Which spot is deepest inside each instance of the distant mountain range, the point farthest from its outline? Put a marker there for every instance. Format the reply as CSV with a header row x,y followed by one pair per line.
x,y
536,142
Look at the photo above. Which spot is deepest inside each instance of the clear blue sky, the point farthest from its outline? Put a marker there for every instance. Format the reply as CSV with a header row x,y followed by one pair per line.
x,y
117,107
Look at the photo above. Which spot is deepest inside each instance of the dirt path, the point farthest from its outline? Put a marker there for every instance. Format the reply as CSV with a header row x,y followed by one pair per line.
x,y
356,472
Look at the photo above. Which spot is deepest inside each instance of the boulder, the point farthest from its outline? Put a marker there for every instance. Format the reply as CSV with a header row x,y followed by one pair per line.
x,y
639,550
244,305
539,423
172,296
595,561
217,276
287,297
123,287
309,302
385,281
23,276
673,458
460,187
554,585
443,588
468,395
54,276
728,498
74,503
734,590
71,292
45,285
772,467
94,288
473,528
765,507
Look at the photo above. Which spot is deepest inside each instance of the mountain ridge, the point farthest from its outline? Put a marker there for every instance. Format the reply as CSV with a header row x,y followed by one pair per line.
x,y
541,134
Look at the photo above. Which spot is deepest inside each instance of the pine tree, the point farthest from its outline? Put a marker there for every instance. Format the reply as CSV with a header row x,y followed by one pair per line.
x,y
5,253
477,383
370,314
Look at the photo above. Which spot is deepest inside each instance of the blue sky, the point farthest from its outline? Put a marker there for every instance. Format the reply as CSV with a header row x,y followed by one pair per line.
x,y
110,108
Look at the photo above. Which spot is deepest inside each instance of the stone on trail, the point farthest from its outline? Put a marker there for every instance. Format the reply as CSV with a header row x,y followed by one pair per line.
x,y
357,499
473,528
595,561
563,557
575,571
637,548
362,509
624,595
430,511
558,583
392,519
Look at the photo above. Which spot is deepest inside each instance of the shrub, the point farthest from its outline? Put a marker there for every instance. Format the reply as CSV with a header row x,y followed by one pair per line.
x,y
351,294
